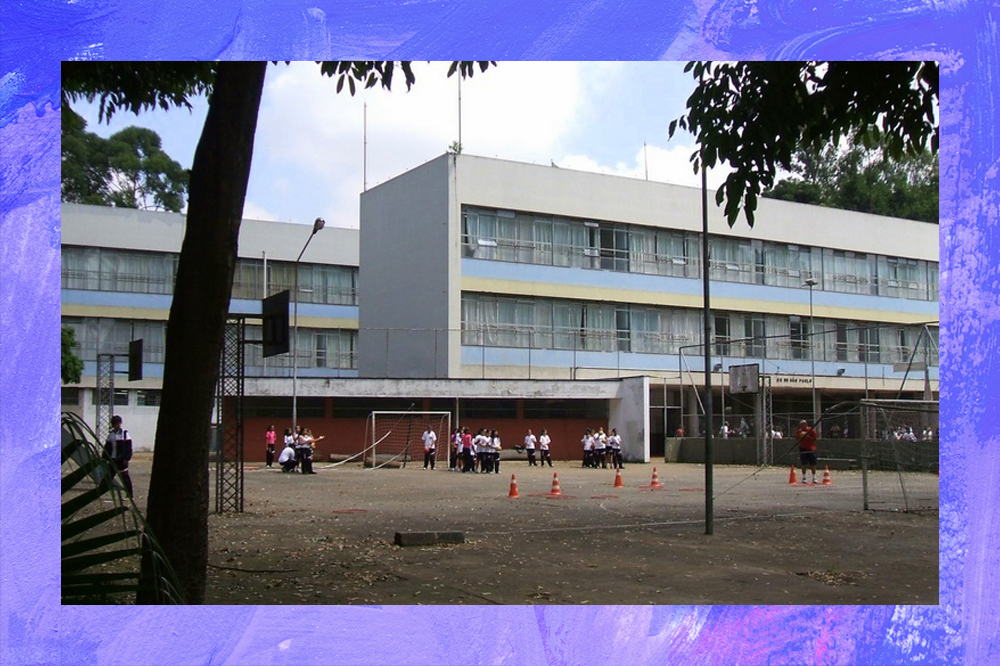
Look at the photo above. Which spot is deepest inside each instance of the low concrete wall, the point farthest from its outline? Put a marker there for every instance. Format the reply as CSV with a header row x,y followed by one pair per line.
x,y
835,453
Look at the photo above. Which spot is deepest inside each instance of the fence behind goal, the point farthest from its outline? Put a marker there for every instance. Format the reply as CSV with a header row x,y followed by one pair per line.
x,y
901,454
397,437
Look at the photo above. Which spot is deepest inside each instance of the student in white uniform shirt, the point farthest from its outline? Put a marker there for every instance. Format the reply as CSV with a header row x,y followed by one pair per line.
x,y
543,446
529,446
430,446
494,445
600,449
588,448
481,442
615,444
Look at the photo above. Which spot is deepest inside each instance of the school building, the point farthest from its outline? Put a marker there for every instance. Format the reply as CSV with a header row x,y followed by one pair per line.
x,y
521,296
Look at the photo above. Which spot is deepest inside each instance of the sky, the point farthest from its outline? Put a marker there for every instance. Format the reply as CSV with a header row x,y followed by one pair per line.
x,y
309,152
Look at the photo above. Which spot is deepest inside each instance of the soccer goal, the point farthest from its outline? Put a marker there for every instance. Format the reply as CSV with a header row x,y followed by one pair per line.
x,y
901,454
396,437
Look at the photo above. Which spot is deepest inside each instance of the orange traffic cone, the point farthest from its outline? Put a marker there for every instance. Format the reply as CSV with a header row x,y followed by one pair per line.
x,y
513,487
826,477
792,479
655,483
555,485
618,479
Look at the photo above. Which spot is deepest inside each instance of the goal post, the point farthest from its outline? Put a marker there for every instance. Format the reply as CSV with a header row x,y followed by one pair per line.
x,y
901,454
397,437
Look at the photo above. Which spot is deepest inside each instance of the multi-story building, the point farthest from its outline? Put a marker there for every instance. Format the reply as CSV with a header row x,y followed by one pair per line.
x,y
521,296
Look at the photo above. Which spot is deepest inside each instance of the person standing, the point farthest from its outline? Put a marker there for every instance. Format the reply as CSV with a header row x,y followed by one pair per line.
x,y
118,449
807,438
600,449
615,445
269,437
529,446
468,456
307,442
456,450
588,448
494,444
482,450
430,447
543,446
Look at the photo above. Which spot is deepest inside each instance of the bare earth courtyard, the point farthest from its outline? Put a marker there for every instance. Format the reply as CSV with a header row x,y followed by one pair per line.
x,y
328,539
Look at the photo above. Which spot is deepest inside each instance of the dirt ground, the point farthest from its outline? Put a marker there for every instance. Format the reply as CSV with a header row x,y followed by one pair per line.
x,y
328,538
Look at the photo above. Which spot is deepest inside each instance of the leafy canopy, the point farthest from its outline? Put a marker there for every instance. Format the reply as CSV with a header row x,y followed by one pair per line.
x,y
755,115
120,86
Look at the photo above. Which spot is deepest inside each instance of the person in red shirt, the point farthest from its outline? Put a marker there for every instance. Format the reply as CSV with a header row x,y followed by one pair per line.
x,y
807,437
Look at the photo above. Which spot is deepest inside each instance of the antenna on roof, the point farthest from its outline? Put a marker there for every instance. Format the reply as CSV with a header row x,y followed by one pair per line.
x,y
645,159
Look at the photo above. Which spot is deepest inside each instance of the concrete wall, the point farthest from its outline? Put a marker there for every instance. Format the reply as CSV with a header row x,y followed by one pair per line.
x,y
629,413
404,275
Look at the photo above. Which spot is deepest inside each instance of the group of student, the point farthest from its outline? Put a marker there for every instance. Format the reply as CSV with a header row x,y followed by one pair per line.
x,y
480,453
599,449
297,456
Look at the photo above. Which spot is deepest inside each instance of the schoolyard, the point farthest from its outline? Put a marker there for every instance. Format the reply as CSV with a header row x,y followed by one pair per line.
x,y
329,538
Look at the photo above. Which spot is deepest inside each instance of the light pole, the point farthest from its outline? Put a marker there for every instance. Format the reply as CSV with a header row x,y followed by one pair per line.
x,y
317,225
812,348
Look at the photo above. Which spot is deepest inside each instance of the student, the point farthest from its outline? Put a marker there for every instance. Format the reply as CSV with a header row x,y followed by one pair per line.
x,y
430,446
307,442
600,449
615,445
543,445
588,448
494,444
287,459
456,450
482,451
468,455
269,438
118,449
529,446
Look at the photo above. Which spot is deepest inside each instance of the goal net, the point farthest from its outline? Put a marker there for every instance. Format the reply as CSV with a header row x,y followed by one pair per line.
x,y
900,457
397,437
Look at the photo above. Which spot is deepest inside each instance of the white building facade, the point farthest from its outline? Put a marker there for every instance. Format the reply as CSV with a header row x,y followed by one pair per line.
x,y
499,290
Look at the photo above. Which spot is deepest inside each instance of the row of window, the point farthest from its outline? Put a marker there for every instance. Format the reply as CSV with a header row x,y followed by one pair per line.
x,y
317,348
556,241
497,321
72,397
104,269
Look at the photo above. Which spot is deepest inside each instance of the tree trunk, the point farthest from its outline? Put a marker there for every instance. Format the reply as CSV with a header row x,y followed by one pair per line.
x,y
177,510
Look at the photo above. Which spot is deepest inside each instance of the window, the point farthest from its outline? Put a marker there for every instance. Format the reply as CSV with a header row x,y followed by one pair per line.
x,y
485,408
70,396
798,330
722,335
120,398
754,331
148,397
614,248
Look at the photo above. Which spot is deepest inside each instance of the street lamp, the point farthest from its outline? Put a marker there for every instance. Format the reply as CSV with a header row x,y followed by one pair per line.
x,y
812,350
317,225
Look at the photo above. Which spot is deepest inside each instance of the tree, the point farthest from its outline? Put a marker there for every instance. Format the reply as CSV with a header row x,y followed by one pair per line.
x,y
128,170
177,509
862,179
72,366
755,115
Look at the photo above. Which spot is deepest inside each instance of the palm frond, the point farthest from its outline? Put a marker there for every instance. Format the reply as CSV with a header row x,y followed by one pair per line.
x,y
104,535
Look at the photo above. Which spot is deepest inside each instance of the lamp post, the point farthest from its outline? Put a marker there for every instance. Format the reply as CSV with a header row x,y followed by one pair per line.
x,y
317,225
811,282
